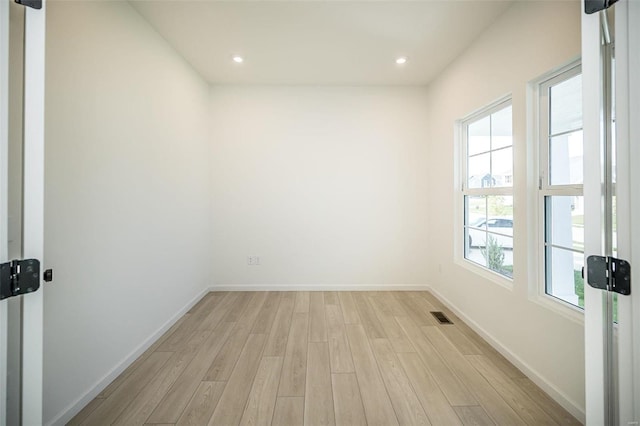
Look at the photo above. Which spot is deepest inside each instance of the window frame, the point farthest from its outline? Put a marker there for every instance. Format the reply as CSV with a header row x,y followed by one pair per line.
x,y
461,226
539,91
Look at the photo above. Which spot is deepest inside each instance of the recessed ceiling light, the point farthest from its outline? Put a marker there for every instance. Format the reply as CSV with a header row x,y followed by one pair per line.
x,y
238,59
401,60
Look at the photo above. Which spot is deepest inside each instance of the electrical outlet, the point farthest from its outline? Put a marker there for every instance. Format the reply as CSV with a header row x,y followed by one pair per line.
x,y
253,260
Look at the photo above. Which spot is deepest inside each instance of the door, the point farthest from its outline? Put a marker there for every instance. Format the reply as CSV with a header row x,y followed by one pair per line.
x,y
21,206
610,57
627,95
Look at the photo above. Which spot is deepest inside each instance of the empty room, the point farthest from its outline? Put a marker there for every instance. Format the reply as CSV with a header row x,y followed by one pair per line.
x,y
319,212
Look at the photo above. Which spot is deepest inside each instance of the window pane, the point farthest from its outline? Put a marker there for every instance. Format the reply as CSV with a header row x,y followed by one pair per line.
x,y
565,158
475,211
479,171
501,132
502,167
500,206
490,250
565,221
566,105
479,136
498,253
564,275
472,251
475,216
488,225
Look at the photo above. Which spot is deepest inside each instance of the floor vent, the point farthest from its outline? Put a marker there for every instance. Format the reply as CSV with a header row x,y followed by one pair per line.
x,y
442,318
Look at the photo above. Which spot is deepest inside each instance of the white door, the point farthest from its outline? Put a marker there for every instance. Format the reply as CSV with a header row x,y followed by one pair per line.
x,y
22,35
628,233
610,65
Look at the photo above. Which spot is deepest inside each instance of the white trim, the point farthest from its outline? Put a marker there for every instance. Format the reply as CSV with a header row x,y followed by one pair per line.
x,y
319,287
33,212
4,189
546,385
594,344
75,407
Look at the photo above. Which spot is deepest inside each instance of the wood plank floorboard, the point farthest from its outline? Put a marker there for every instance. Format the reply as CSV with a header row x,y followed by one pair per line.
x,y
223,365
347,401
405,402
111,408
474,416
497,408
204,401
317,320
394,332
428,392
267,314
349,309
232,402
277,341
262,399
294,369
453,388
375,398
339,352
368,316
318,396
178,396
321,358
331,298
289,411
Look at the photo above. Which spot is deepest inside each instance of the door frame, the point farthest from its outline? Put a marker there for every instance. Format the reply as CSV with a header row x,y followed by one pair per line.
x,y
4,193
627,353
33,206
33,213
594,342
628,130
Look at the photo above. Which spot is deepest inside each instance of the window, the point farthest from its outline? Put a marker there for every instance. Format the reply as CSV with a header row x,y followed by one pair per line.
x,y
560,185
488,188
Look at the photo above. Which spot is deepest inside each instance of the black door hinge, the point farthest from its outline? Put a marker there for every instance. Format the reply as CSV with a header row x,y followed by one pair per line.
x,y
609,273
19,277
34,4
593,6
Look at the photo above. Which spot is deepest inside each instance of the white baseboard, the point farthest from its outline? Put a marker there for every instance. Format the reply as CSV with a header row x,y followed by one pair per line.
x,y
559,396
319,287
74,408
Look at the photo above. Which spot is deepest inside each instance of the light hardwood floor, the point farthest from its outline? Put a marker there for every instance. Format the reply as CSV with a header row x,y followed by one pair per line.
x,y
321,358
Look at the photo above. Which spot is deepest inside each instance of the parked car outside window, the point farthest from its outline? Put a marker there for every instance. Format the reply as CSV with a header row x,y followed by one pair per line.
x,y
500,228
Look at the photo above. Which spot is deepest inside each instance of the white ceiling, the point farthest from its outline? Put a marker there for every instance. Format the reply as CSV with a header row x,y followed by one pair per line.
x,y
320,42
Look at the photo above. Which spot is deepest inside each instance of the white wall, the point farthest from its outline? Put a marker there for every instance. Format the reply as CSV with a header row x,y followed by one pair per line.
x,y
530,39
327,185
127,192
